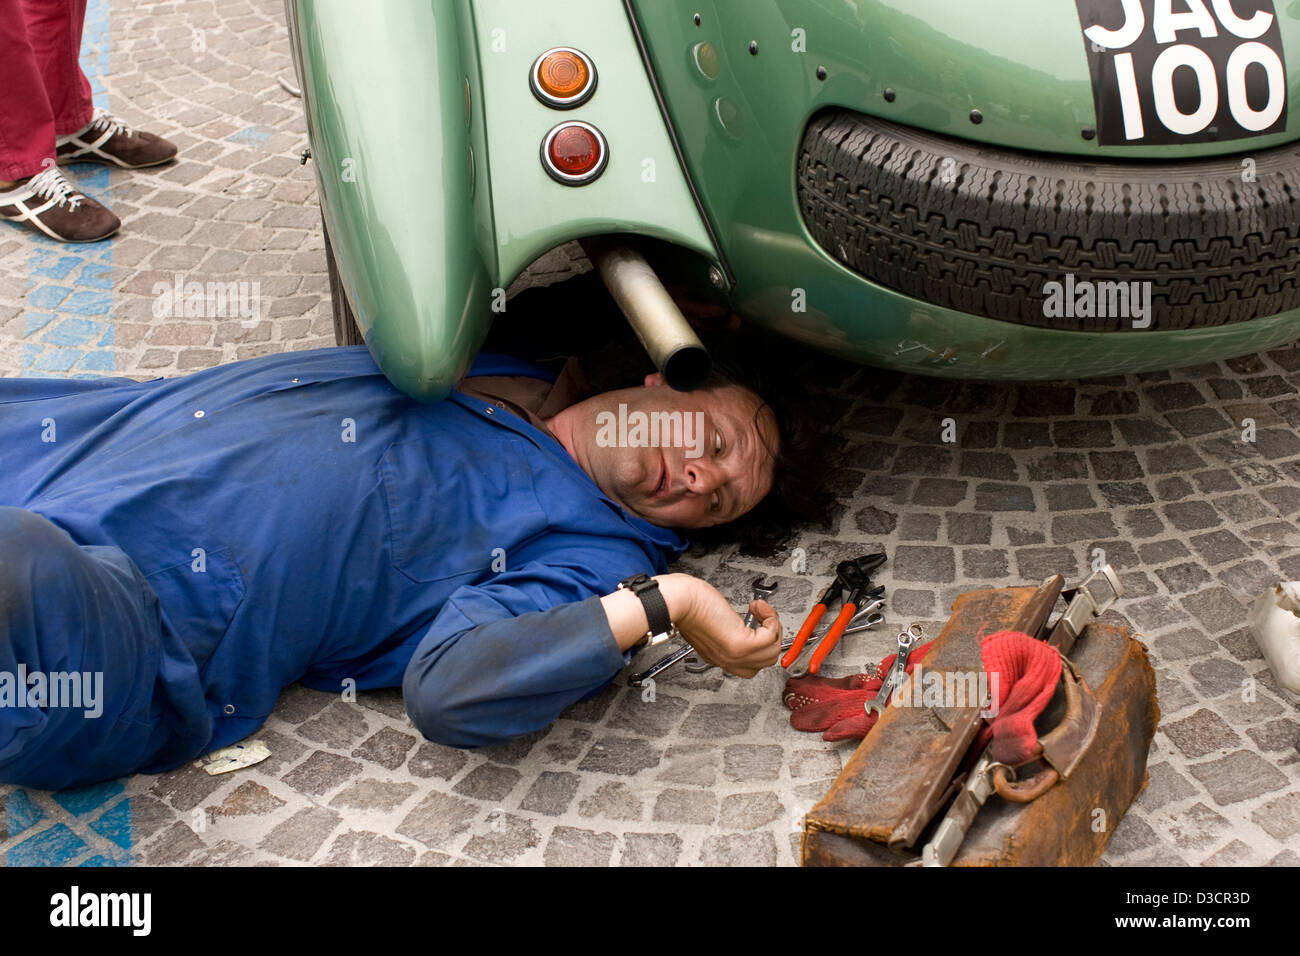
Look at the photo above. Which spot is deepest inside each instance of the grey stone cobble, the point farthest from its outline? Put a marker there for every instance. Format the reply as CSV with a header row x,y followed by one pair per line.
x,y
1239,776
371,794
1202,733
299,837
551,793
322,772
739,849
510,837
1152,469
613,801
651,849
573,846
488,782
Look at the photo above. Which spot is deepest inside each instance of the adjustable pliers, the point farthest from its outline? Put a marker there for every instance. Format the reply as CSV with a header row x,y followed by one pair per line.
x,y
852,584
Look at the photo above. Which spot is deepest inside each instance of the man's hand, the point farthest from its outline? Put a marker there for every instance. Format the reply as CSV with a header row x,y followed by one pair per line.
x,y
706,621
719,635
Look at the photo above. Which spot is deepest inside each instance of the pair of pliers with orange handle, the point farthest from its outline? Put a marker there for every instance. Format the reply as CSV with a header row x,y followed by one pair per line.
x,y
852,583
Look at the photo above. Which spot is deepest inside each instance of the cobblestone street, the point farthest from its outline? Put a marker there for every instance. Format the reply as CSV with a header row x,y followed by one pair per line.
x,y
1196,510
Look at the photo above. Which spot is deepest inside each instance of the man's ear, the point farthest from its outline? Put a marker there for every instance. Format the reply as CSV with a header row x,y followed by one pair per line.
x,y
653,379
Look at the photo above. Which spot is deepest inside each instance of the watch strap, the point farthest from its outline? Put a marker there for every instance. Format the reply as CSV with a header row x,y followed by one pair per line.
x,y
656,608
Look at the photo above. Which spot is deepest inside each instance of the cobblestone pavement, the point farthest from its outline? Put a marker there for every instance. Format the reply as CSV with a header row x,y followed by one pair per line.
x,y
1153,469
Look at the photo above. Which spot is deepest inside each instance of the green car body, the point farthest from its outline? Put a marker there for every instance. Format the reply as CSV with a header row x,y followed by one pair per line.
x,y
425,136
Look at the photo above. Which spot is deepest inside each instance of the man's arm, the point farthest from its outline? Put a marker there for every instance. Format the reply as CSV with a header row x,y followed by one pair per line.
x,y
506,657
705,620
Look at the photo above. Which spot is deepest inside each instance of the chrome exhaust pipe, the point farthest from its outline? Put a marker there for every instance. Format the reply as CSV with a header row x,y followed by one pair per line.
x,y
664,332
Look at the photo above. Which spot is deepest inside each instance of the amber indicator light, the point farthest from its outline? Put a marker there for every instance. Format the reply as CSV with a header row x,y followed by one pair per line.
x,y
563,78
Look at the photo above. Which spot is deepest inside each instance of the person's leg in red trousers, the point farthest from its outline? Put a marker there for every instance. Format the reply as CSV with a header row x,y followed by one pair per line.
x,y
47,119
43,92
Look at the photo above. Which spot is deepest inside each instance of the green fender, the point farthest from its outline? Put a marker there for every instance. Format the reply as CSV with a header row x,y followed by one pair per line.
x,y
414,247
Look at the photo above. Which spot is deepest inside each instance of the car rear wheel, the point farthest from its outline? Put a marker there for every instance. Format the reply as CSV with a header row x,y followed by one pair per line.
x,y
346,331
983,230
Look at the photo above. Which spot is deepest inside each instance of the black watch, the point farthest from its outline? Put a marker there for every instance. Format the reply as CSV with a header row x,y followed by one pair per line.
x,y
656,610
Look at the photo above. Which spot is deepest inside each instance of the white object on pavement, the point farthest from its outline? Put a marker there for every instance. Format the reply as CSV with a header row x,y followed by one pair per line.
x,y
1275,621
236,757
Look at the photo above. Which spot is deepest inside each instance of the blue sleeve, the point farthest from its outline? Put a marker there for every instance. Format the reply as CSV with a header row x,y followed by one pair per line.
x,y
506,657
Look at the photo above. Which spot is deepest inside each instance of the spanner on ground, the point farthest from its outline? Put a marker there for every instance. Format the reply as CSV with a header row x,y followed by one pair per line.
x,y
896,673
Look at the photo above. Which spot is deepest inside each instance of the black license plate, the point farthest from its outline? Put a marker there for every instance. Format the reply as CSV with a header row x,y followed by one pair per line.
x,y
1184,71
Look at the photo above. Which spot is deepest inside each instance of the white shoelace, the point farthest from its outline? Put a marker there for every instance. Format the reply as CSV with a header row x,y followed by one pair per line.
x,y
104,120
51,184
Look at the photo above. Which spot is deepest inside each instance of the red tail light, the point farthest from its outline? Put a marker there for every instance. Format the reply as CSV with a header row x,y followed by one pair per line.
x,y
574,153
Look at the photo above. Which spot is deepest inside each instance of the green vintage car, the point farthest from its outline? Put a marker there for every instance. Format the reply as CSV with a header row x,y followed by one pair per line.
x,y
998,189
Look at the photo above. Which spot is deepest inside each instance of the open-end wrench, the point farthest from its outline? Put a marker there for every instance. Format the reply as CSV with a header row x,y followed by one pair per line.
x,y
868,616
661,665
759,591
896,673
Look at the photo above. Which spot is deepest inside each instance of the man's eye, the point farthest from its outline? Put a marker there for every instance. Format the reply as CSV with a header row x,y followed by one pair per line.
x,y
717,443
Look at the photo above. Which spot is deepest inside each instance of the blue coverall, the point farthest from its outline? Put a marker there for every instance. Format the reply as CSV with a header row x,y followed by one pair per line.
x,y
206,541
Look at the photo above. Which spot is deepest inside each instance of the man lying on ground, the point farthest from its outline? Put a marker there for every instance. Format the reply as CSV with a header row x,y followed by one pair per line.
x,y
174,553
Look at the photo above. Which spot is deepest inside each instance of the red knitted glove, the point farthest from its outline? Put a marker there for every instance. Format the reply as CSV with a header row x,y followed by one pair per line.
x,y
1027,674
836,707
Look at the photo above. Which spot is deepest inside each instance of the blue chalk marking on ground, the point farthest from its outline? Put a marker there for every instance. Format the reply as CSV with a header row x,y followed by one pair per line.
x,y
48,296
59,266
115,824
56,360
53,847
101,361
83,800
95,275
32,321
87,302
252,136
73,332
21,812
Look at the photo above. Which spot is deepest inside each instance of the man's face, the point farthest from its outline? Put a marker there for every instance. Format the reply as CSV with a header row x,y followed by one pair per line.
x,y
717,467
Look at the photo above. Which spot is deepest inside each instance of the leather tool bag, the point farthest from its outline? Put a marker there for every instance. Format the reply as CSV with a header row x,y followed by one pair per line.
x,y
889,796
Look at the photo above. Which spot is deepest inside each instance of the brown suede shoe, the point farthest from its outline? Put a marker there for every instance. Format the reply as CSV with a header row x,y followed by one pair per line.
x,y
50,204
108,140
